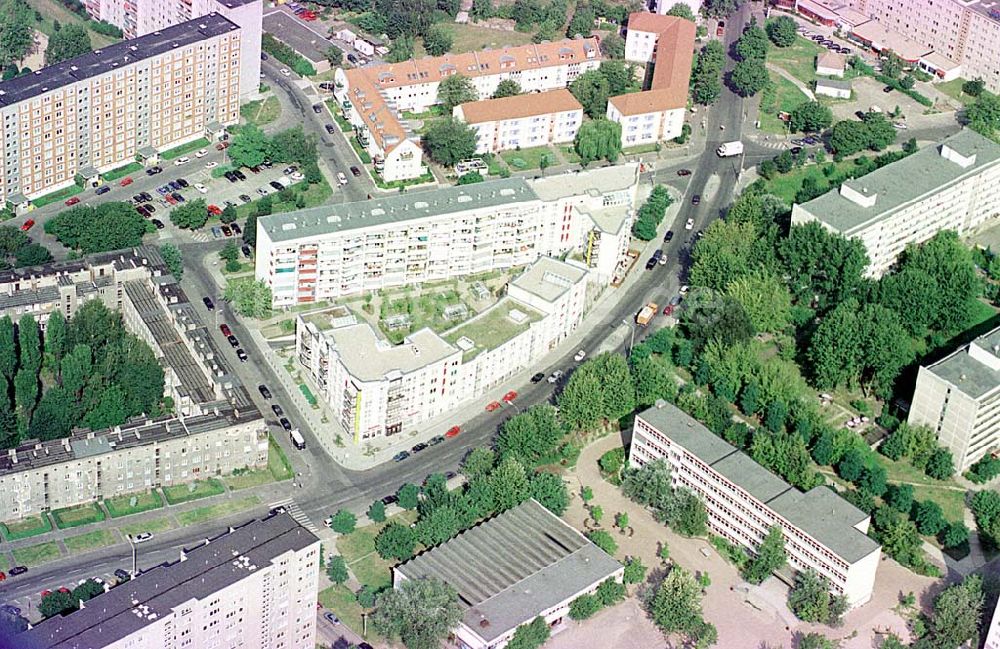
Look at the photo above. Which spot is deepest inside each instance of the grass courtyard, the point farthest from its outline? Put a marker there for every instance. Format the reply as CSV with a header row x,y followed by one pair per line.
x,y
492,329
798,59
262,111
182,493
26,527
781,95
401,314
525,159
125,505
358,550
35,555
218,510
90,541
77,516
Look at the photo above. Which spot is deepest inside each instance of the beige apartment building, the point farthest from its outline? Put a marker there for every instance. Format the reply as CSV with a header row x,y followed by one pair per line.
x,y
822,531
959,190
959,398
251,587
522,121
97,112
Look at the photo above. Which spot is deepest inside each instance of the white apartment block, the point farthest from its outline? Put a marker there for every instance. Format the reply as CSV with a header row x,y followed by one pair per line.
x,y
329,252
522,121
657,114
96,112
251,587
993,632
822,531
140,17
372,98
377,389
959,190
959,398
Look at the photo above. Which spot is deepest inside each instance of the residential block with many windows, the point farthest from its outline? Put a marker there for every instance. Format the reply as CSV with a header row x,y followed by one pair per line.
x,y
522,121
373,98
251,587
821,530
959,398
958,189
327,252
96,112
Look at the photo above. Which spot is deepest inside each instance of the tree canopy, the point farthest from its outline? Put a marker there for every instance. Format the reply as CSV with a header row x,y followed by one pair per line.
x,y
598,139
69,42
420,612
97,228
450,140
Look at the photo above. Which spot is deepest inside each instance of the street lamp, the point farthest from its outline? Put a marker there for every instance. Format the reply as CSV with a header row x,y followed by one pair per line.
x,y
131,543
631,342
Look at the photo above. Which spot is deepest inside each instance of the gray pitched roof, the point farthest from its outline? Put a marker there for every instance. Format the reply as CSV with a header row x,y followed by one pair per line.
x,y
513,567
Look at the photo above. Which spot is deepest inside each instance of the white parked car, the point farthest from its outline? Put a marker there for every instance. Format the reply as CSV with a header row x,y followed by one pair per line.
x,y
142,537
201,154
201,188
689,225
211,165
341,178
580,355
181,161
555,376
900,125
296,176
285,72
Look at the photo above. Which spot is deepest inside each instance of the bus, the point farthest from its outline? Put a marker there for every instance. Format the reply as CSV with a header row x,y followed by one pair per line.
x,y
297,439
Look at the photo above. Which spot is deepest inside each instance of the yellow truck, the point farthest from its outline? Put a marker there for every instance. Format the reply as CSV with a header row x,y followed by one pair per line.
x,y
646,314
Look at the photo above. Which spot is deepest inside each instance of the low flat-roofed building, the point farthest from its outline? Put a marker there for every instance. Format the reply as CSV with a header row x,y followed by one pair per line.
x,y
822,531
836,88
881,38
311,44
886,210
959,398
251,587
522,121
831,64
510,569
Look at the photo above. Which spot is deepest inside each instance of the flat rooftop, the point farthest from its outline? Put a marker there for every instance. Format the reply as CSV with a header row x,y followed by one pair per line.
x,y
594,182
370,357
291,31
395,208
513,567
492,328
973,369
820,512
112,57
884,38
893,184
549,278
208,568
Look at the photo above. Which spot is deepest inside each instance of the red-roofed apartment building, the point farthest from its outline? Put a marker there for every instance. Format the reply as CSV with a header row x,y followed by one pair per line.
x,y
656,114
522,121
373,97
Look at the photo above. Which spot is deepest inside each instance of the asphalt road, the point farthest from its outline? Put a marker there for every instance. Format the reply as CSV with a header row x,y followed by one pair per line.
x,y
327,486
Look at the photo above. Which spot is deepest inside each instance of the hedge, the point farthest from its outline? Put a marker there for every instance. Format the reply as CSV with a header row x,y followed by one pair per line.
x,y
287,55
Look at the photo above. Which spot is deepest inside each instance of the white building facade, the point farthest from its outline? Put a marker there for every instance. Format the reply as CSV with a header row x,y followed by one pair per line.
x,y
522,121
822,531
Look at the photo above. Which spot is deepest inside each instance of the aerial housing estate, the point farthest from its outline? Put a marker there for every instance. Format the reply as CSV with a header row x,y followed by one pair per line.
x,y
372,98
822,531
97,112
251,587
959,190
214,429
959,398
522,121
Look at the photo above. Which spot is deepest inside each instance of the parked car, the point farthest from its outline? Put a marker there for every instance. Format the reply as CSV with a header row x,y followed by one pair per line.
x,y
331,618
434,441
211,165
158,224
317,108
226,231
418,447
209,304
236,228
277,186
887,89
277,410
689,224
811,140
125,182
233,340
330,128
142,537
201,188
453,431
399,457
242,355
246,251
264,391
27,225
669,236
537,378
492,406
391,499
287,425
341,178
579,356
555,376
17,570
103,189
221,146
285,72
72,201
183,160
239,174
152,171
683,172
696,199
201,153
177,197
245,198
122,575
355,171
176,184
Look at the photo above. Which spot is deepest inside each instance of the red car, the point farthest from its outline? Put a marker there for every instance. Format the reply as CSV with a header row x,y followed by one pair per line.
x,y
214,210
510,396
493,405
668,310
3,575
27,225
127,180
453,431
46,593
221,145
63,589
170,199
226,331
72,201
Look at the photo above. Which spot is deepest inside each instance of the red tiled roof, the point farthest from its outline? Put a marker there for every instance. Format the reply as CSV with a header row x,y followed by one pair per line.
x,y
536,103
672,69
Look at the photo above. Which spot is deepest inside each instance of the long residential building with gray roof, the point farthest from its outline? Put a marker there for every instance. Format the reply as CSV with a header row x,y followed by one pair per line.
x,y
959,397
251,587
822,531
954,185
328,252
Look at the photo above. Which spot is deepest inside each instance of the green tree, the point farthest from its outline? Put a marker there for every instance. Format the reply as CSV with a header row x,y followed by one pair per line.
x,y
531,436
438,526
957,612
172,258
400,50
720,8
613,46
191,215
395,541
531,635
900,497
376,512
675,606
635,571
941,465
584,607
107,226
55,339
752,43
482,10
55,415
248,148
810,116
550,491
821,263
509,484
450,140
603,540
649,485
438,41
748,77
33,254
229,214
110,410
409,496
8,348
420,612
620,76
782,31
581,403
954,535
652,381
764,298
343,522
478,463
67,43
334,55
770,557
974,88
250,230
249,299
681,10
929,518
56,602
592,90
610,592
16,31
598,139
507,88
811,601
336,569
454,90
29,341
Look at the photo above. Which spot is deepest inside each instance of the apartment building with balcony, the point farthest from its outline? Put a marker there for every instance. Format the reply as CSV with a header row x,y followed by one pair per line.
x,y
97,112
373,98
250,587
959,398
821,530
380,389
332,251
656,114
959,190
140,17
522,121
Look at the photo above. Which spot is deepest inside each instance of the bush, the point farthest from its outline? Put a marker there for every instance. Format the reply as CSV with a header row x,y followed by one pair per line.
x,y
287,55
603,540
584,606
987,468
612,462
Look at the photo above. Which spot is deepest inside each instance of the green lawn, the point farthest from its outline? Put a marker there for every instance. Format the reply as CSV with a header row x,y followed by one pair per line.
x,y
943,492
192,491
34,555
345,126
247,479
360,150
261,112
953,89
4,565
358,550
787,185
122,505
342,601
178,151
569,152
798,59
220,510
312,196
76,516
528,158
471,37
28,526
53,10
121,172
781,96
153,525
59,195
491,329
396,184
90,541
642,148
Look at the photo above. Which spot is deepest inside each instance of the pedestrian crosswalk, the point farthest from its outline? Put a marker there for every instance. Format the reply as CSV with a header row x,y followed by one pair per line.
x,y
296,513
202,236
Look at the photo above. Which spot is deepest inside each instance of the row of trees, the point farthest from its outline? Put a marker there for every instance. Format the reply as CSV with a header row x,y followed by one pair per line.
x,y
97,228
250,147
706,79
651,214
750,74
17,250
